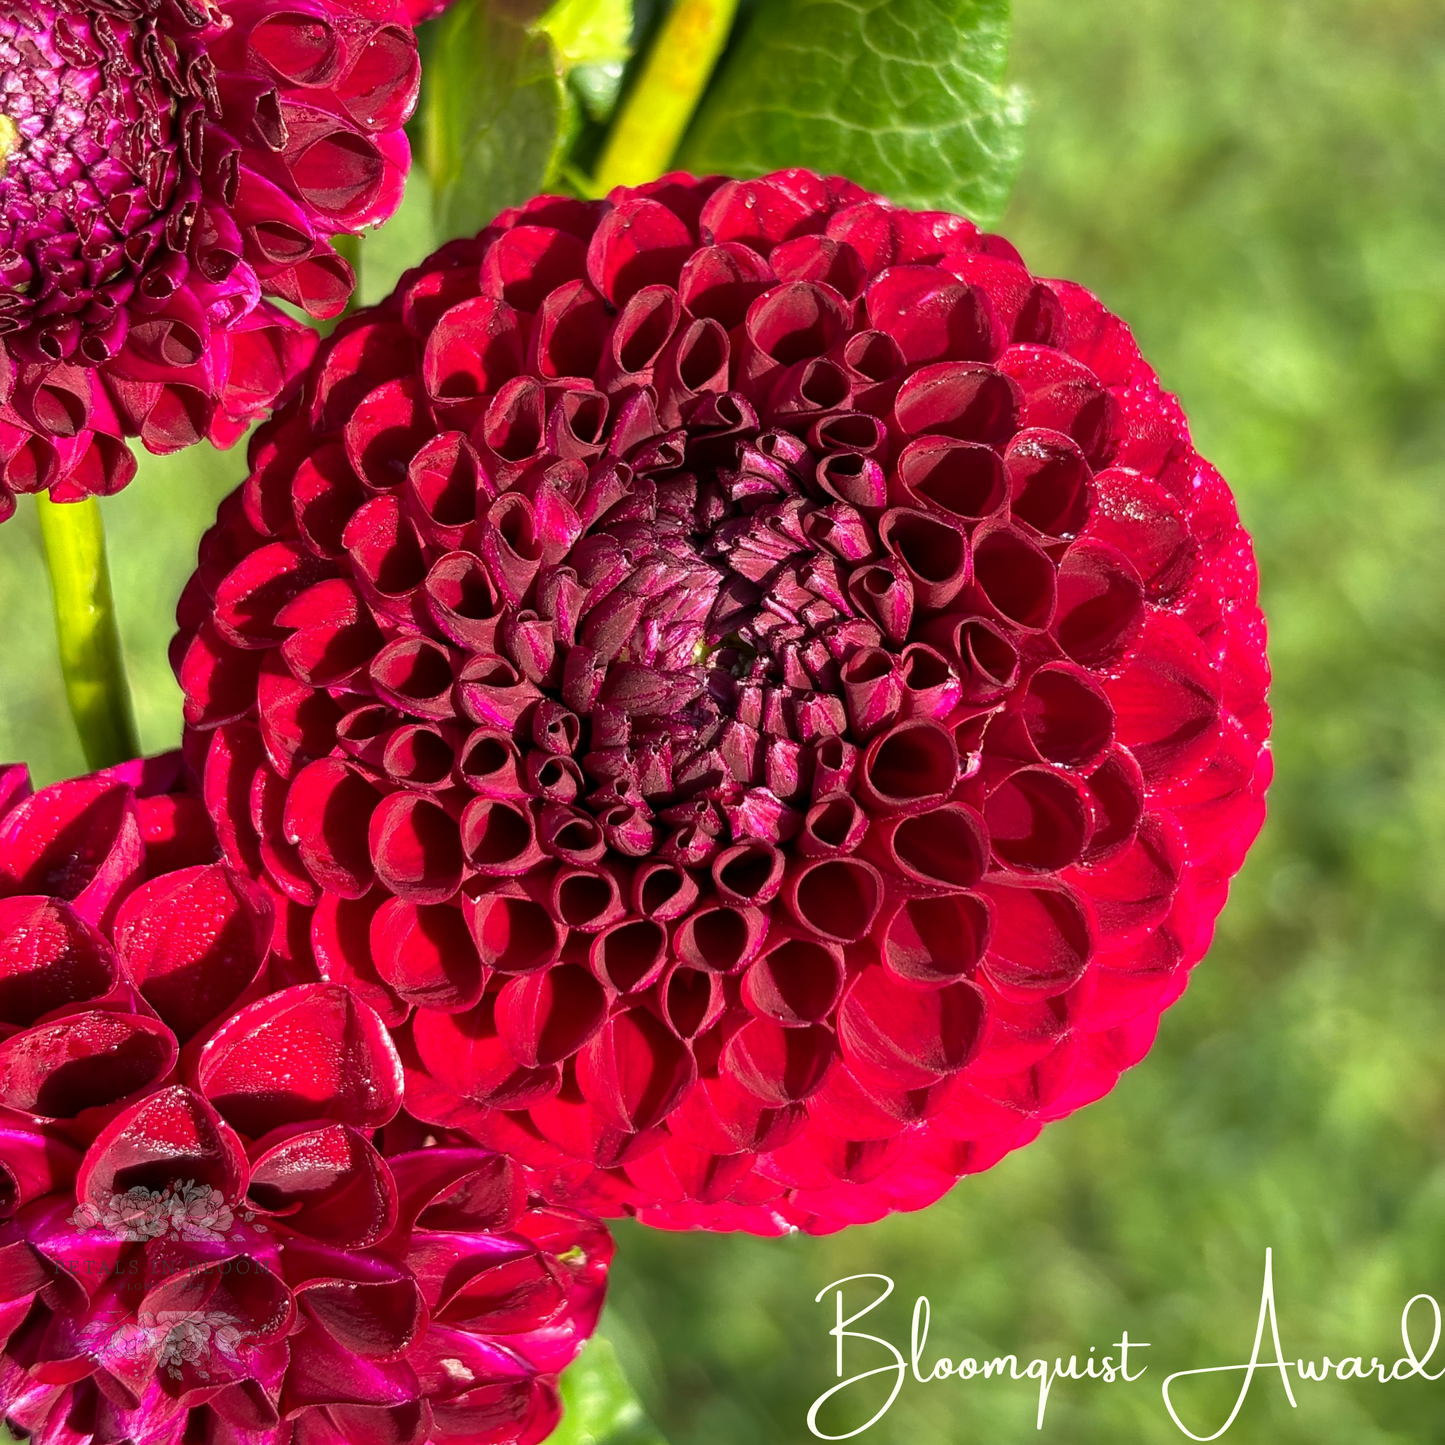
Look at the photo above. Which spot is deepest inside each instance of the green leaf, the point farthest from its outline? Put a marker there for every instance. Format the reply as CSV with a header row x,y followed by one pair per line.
x,y
497,114
594,43
500,116
590,32
601,1408
905,97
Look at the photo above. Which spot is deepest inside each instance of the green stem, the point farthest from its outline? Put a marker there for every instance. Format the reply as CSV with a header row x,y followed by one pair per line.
x,y
650,126
90,655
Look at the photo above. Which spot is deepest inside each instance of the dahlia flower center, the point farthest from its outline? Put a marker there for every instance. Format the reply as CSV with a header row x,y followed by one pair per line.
x,y
99,147
715,657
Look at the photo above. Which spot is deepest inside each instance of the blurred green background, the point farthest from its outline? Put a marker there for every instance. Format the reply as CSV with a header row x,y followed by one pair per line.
x,y
1259,187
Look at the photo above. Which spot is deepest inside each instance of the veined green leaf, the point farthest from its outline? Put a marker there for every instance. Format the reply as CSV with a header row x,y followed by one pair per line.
x,y
905,97
499,113
496,114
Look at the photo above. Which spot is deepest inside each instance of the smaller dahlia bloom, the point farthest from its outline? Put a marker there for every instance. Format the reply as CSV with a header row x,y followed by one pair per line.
x,y
756,688
163,168
215,1224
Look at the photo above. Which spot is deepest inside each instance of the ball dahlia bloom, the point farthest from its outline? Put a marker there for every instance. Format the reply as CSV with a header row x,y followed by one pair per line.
x,y
215,1224
163,168
754,687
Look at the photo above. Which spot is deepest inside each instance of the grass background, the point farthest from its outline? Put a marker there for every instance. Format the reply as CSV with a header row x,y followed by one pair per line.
x,y
1259,186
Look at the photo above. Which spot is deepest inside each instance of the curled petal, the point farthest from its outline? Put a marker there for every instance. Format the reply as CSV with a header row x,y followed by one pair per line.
x,y
720,939
910,1036
466,1053
835,898
426,954
459,1190
958,399
49,957
1044,934
328,814
964,481
946,848
1038,820
328,1184
1100,605
910,768
32,1164
778,1065
193,941
79,841
498,837
83,1062
546,1016
1167,700
634,1070
933,941
833,825
169,1135
513,933
416,848
1050,484
663,890
1014,582
795,982
629,957
307,1053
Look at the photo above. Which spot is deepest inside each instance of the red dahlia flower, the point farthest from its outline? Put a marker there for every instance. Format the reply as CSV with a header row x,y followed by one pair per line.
x,y
163,165
216,1227
755,688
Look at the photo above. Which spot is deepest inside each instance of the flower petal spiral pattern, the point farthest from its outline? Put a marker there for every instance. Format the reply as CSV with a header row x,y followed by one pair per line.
x,y
215,1222
164,166
754,687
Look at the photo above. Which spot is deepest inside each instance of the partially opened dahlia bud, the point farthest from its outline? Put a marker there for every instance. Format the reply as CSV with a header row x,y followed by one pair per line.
x,y
162,168
214,1223
754,687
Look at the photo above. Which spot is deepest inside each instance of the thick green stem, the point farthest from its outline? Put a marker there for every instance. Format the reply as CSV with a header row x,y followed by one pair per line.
x,y
656,112
90,655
